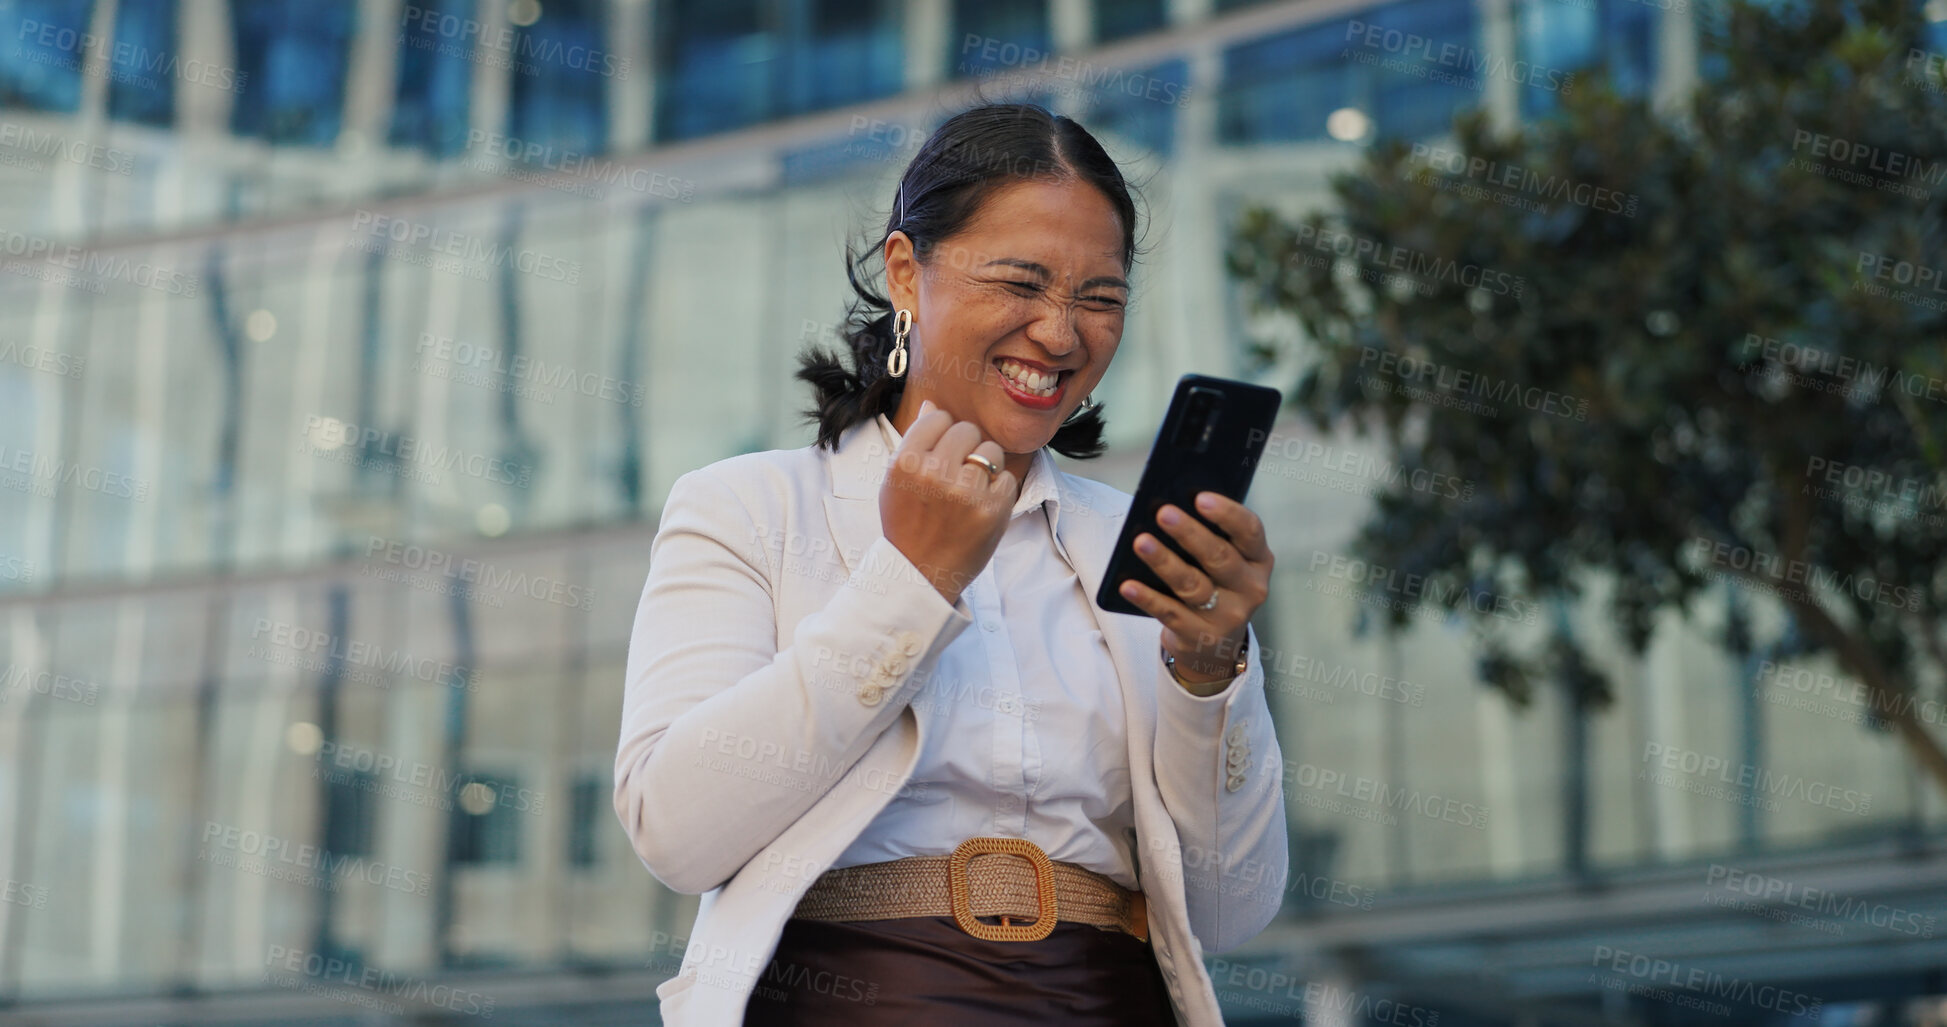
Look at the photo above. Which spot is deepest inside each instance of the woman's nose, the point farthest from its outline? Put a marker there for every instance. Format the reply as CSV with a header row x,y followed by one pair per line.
x,y
1054,330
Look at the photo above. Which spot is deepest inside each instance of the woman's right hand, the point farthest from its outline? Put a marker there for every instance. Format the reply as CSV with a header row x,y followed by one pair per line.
x,y
940,509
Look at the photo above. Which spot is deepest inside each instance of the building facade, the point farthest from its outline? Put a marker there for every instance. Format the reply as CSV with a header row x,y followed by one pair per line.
x,y
348,350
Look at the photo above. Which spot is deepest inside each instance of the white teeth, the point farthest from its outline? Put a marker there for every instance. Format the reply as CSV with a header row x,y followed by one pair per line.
x,y
1040,383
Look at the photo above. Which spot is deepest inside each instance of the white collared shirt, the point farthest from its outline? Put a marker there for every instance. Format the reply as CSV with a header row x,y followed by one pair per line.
x,y
1024,731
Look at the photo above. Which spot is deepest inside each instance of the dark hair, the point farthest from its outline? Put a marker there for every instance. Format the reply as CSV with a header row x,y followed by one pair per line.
x,y
958,167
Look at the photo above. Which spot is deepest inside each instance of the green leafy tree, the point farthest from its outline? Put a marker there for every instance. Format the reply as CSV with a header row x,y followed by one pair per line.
x,y
1671,348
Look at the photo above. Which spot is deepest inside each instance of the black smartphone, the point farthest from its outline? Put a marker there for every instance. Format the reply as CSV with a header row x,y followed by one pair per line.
x,y
1211,440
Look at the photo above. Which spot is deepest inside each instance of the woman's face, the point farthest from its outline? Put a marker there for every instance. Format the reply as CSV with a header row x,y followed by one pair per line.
x,y
1033,282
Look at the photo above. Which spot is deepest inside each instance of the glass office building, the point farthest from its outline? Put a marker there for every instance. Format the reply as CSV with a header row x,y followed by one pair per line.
x,y
347,351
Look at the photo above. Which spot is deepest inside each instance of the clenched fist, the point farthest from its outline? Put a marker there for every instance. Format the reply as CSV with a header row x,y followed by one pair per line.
x,y
940,509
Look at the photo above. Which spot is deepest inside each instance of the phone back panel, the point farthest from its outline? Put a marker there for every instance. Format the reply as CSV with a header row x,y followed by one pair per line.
x,y
1211,440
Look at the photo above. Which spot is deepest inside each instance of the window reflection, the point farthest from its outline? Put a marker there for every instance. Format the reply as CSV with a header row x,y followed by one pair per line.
x,y
144,63
431,105
291,56
41,56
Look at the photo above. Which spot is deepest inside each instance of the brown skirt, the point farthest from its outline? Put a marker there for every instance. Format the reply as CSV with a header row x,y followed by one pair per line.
x,y
927,970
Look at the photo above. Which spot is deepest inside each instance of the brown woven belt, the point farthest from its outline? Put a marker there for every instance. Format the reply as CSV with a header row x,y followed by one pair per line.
x,y
978,881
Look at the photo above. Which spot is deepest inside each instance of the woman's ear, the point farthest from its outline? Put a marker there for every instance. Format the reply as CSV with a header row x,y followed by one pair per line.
x,y
902,272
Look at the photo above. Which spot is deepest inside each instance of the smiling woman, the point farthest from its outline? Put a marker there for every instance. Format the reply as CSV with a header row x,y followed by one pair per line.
x,y
1015,214
900,819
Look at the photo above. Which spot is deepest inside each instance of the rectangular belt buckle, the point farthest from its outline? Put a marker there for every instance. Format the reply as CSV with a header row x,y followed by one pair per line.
x,y
1044,891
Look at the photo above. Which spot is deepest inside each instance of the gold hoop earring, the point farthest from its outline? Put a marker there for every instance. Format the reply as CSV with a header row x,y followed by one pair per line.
x,y
902,323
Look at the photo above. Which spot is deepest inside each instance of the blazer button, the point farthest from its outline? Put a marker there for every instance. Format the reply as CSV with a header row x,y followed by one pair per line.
x,y
1236,760
873,695
1234,782
895,666
1237,735
909,643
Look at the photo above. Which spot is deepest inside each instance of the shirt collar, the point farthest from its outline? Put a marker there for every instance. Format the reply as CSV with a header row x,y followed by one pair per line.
x,y
1039,488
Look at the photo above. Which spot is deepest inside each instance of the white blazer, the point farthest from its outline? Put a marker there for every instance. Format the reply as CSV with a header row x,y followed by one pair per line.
x,y
766,720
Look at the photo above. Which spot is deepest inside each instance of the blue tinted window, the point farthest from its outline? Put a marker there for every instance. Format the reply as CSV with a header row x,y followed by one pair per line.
x,y
1141,105
41,53
1409,66
1583,38
560,85
1420,96
1115,19
144,63
291,57
849,51
731,63
431,105
1283,87
719,63
998,36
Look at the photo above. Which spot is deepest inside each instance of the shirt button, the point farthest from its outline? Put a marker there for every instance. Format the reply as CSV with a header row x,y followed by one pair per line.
x,y
990,625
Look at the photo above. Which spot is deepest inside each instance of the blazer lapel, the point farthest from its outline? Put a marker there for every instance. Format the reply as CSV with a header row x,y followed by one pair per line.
x,y
857,469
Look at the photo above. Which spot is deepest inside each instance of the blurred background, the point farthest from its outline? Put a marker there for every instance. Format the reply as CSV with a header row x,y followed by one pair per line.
x,y
348,350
